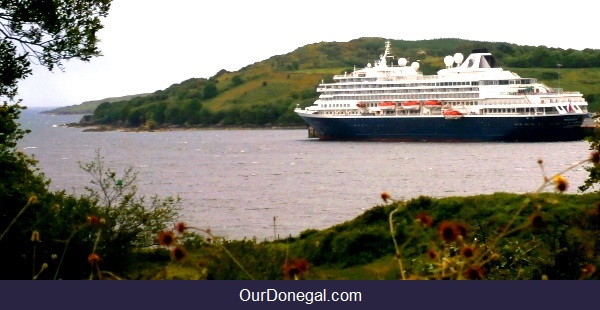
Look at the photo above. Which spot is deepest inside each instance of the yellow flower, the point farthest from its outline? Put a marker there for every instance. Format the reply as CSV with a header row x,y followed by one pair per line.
x,y
561,183
32,199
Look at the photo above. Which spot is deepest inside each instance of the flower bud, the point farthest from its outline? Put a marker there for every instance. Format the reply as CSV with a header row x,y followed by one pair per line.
x,y
35,236
32,200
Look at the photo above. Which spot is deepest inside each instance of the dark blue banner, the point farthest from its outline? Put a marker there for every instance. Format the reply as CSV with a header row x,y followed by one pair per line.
x,y
168,295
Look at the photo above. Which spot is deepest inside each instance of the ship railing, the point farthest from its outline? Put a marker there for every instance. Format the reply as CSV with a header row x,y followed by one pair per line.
x,y
566,93
408,77
552,93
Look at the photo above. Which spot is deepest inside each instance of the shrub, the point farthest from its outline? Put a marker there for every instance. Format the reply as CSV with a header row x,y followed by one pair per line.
x,y
59,236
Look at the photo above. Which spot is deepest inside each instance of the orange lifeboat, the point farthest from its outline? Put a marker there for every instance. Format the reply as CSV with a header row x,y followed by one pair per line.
x,y
361,104
452,114
411,105
432,104
387,105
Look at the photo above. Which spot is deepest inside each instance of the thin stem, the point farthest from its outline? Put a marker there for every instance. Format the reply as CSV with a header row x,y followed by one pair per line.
x,y
226,251
64,253
112,275
548,180
97,267
33,264
393,233
94,251
236,261
97,241
44,266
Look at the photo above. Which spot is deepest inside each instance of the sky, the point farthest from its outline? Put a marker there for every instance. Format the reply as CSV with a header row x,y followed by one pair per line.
x,y
148,45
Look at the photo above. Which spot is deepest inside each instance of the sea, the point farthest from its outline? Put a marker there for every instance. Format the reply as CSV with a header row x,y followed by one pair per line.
x,y
275,183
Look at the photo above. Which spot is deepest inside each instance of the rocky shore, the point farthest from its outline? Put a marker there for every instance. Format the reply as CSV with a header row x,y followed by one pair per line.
x,y
89,127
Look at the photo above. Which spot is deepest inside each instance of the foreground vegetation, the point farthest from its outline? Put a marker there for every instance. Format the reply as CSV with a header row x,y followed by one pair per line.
x,y
553,236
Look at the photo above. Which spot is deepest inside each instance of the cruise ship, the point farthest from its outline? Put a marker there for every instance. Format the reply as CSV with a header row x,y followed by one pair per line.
x,y
472,99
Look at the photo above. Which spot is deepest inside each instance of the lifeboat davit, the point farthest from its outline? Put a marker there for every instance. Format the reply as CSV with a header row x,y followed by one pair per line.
x,y
432,104
411,105
387,105
452,114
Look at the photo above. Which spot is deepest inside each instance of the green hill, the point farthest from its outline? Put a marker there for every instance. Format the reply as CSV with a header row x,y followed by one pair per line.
x,y
88,107
266,92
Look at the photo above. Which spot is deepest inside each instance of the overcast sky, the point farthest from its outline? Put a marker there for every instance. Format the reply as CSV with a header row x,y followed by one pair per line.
x,y
149,45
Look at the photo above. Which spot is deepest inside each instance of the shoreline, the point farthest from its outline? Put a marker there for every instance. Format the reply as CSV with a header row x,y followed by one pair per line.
x,y
105,128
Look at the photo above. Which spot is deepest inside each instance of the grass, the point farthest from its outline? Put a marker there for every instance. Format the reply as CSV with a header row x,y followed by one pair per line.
x,y
381,269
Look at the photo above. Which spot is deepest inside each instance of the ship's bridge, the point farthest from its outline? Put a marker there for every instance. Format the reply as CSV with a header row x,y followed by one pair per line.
x,y
380,69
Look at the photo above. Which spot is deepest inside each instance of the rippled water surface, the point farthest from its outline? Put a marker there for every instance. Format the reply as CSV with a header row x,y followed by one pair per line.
x,y
236,181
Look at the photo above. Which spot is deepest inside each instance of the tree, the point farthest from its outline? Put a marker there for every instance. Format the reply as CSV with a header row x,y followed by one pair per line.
x,y
210,90
236,81
21,187
18,175
594,170
46,32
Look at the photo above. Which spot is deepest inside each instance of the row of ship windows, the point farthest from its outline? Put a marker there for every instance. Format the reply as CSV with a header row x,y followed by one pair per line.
x,y
497,102
508,82
391,91
484,125
519,110
483,111
491,82
403,97
374,104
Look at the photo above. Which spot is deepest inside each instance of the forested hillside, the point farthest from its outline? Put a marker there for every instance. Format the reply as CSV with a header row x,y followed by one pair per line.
x,y
88,107
266,92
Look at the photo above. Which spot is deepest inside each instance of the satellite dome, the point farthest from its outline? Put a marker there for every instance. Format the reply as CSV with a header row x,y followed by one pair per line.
x,y
402,62
369,65
458,58
448,60
415,65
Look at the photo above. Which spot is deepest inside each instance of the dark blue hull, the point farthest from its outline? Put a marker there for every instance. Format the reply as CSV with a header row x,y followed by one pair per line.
x,y
565,127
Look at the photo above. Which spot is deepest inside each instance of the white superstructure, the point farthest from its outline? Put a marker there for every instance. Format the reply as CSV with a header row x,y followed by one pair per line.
x,y
472,86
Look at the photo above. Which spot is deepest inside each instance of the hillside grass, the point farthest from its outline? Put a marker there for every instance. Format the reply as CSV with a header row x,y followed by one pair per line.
x,y
259,89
